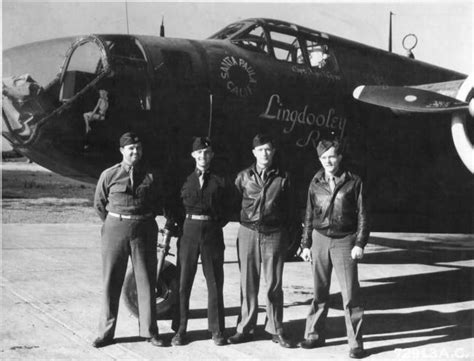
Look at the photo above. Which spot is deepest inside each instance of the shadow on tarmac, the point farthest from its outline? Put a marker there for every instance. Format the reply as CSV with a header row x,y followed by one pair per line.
x,y
449,327
129,339
436,288
452,285
434,249
396,293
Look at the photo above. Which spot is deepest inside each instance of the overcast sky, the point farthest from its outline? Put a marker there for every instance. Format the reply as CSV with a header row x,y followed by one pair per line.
x,y
444,29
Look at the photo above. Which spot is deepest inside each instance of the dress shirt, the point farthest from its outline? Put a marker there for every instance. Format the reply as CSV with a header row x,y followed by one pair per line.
x,y
115,193
214,198
202,175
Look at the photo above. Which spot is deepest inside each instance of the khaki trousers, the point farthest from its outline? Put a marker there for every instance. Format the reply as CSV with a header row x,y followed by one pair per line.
x,y
329,253
256,251
122,238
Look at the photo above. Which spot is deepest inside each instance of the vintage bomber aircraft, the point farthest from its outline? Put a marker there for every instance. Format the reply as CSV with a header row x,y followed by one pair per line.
x,y
260,75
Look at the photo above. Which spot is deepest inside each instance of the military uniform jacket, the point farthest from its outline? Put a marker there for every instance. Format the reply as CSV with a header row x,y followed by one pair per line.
x,y
267,205
339,213
115,193
214,199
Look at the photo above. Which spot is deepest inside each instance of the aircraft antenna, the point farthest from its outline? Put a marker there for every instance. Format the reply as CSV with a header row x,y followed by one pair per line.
x,y
210,116
162,27
412,45
126,16
390,33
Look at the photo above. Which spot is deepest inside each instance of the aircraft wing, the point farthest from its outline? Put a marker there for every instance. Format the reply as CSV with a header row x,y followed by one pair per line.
x,y
409,99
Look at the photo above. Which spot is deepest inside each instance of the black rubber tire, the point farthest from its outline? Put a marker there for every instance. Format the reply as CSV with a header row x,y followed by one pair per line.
x,y
166,291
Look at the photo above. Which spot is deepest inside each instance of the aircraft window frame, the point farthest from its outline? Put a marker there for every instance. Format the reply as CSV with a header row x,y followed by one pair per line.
x,y
288,53
301,57
91,68
327,63
292,52
140,65
249,40
291,48
102,68
229,31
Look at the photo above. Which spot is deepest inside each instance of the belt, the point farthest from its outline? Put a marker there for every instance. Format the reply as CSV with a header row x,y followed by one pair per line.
x,y
200,217
130,216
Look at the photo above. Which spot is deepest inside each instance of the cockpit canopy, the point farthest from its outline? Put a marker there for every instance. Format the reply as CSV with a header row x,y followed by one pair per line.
x,y
283,41
122,59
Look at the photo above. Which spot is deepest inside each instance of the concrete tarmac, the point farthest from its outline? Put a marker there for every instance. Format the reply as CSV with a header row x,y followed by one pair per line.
x,y
418,292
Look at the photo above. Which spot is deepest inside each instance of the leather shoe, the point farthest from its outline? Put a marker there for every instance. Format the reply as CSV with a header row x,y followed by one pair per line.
x,y
240,337
156,341
357,352
219,339
102,342
284,342
179,339
311,343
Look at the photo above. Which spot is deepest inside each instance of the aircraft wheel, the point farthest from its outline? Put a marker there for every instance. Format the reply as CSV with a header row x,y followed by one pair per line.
x,y
166,291
295,232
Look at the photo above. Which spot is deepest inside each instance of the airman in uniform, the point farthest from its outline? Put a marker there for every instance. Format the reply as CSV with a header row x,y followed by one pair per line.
x,y
206,198
266,213
335,234
126,199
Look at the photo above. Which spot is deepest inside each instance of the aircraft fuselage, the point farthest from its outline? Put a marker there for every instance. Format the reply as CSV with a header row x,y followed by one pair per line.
x,y
170,90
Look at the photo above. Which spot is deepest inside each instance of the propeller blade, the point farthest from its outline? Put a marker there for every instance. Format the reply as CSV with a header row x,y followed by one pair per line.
x,y
408,99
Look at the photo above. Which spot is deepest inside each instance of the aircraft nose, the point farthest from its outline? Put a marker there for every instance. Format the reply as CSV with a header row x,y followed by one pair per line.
x,y
27,72
24,104
42,60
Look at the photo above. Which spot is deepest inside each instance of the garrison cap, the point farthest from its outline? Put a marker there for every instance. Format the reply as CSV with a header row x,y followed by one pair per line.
x,y
325,144
129,138
261,139
201,143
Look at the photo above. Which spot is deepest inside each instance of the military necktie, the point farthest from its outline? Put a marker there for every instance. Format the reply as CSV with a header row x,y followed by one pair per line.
x,y
201,175
332,183
201,179
130,173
